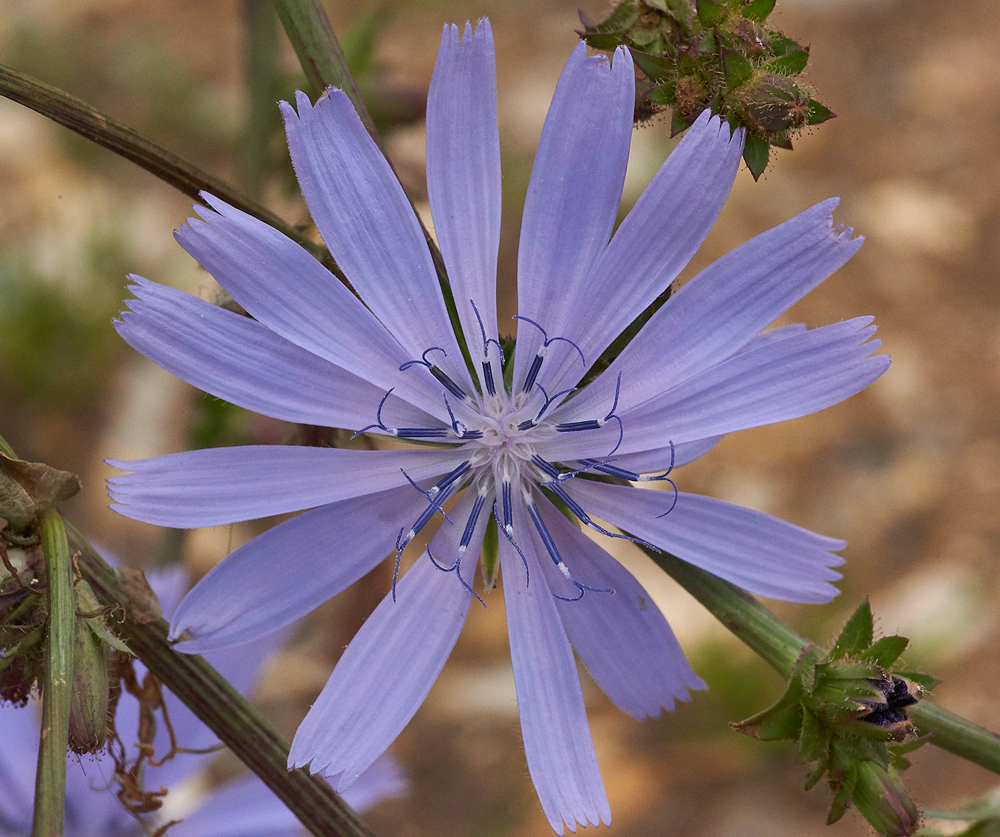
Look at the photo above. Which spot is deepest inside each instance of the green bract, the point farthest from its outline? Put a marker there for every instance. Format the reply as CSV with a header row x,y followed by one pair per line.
x,y
698,54
845,708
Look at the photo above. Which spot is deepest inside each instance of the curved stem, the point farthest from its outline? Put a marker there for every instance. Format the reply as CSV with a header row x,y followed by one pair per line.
x,y
206,693
780,647
98,127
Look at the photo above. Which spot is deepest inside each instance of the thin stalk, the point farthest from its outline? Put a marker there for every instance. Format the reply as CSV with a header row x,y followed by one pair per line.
x,y
766,635
780,646
261,54
957,735
50,778
98,127
237,724
323,61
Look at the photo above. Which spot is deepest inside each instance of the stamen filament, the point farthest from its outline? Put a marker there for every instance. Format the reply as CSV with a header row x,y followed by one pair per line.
x,y
553,550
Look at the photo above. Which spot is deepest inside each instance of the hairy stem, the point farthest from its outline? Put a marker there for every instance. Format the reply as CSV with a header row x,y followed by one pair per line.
x,y
60,629
780,647
90,123
224,710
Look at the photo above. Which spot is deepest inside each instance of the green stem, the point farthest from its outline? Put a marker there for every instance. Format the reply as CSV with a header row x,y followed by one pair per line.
x,y
237,724
261,59
50,778
319,53
90,123
780,647
323,61
957,735
766,635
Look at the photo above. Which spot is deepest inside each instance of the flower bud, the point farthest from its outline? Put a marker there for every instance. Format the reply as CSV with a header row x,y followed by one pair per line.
x,y
881,798
88,713
771,105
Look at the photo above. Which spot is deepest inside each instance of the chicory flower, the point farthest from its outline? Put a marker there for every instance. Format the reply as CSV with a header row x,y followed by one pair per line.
x,y
507,441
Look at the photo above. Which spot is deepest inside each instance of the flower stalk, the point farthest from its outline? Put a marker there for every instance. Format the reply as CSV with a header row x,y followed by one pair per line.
x,y
780,647
319,53
237,724
50,780
109,133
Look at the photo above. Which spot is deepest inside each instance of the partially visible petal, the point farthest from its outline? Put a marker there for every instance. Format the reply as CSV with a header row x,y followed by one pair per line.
x,y
557,742
463,173
662,459
291,569
573,196
92,806
368,225
247,808
18,756
761,554
622,637
721,310
315,311
390,665
383,780
782,380
242,361
243,808
652,245
214,486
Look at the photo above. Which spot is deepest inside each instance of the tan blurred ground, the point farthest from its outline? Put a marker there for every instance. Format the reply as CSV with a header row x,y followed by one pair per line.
x,y
908,472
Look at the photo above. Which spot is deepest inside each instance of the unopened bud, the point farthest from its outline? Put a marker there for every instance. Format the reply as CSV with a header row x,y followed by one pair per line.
x,y
771,105
881,798
88,714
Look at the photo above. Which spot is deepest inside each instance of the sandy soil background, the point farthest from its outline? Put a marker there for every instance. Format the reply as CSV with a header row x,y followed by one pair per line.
x,y
907,471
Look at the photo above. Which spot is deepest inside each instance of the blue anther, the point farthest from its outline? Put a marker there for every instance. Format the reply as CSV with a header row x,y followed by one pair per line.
x,y
555,486
597,424
487,365
553,550
458,427
509,534
439,487
402,432
436,371
536,363
402,543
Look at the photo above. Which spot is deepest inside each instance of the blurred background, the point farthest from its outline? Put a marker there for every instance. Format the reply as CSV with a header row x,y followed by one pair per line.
x,y
908,472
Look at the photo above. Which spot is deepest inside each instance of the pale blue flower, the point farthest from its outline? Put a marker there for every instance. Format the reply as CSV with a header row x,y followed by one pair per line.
x,y
388,362
242,808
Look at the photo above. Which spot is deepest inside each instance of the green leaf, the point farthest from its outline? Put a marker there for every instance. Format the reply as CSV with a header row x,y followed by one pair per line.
x,y
857,633
780,45
665,94
755,154
737,67
789,65
886,651
656,67
842,797
678,124
818,113
758,10
815,738
773,724
925,681
711,13
611,32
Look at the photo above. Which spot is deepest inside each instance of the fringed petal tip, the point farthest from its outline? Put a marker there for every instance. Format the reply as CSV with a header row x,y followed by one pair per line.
x,y
455,36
